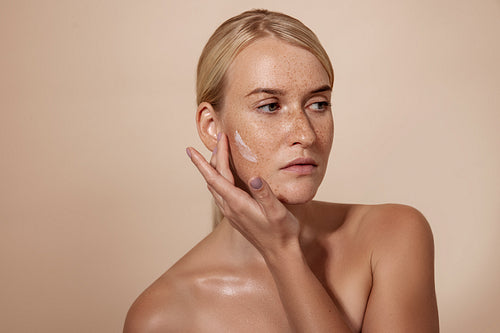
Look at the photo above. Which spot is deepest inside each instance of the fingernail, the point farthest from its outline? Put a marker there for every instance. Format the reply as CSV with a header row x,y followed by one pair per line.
x,y
214,151
256,183
218,136
188,152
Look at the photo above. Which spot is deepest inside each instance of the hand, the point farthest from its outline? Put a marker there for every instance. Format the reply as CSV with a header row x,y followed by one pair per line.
x,y
261,218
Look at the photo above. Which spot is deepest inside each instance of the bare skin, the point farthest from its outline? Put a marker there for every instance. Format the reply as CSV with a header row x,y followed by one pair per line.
x,y
280,262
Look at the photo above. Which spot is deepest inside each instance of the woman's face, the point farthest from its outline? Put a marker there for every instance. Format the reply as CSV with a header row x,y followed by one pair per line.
x,y
277,116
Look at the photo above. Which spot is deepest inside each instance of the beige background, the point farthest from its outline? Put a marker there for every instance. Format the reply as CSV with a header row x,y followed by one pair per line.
x,y
97,197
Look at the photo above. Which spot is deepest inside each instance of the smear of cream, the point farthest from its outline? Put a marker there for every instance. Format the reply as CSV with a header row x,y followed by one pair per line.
x,y
245,151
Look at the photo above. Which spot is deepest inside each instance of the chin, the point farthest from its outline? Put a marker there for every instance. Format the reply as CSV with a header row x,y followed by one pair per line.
x,y
296,191
295,196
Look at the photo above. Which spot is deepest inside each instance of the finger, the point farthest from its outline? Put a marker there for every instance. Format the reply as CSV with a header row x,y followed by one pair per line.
x,y
217,198
207,171
223,157
220,184
213,158
265,197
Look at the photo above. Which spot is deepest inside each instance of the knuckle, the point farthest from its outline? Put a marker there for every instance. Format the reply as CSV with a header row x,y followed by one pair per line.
x,y
211,178
277,215
237,206
264,195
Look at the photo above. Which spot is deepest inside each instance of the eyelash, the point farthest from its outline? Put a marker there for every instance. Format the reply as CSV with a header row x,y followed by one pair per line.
x,y
261,108
325,104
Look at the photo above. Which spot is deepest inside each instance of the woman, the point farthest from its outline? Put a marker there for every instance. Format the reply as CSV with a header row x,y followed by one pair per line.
x,y
279,261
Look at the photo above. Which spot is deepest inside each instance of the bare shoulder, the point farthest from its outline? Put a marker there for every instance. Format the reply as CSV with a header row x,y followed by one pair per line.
x,y
161,307
403,295
394,215
174,302
396,226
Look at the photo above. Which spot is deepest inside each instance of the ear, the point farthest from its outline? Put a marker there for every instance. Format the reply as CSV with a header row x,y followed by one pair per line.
x,y
207,122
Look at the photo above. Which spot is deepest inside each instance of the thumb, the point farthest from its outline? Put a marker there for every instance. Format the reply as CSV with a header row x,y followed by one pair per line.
x,y
262,193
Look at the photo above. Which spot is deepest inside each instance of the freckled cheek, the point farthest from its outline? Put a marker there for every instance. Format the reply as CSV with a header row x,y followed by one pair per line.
x,y
324,134
325,137
241,154
262,140
251,155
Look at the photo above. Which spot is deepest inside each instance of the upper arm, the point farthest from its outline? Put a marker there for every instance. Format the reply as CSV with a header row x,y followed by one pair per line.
x,y
158,309
403,294
143,317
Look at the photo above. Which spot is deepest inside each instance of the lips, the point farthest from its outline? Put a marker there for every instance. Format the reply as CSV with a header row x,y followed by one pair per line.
x,y
301,166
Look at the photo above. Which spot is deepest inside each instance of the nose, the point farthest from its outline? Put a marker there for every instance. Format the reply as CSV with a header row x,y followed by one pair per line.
x,y
301,131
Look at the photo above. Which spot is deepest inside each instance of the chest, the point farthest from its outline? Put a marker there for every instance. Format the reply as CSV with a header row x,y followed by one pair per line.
x,y
248,305
252,304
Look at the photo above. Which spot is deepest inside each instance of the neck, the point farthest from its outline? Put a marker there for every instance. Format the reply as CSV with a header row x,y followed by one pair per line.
x,y
302,212
236,245
240,248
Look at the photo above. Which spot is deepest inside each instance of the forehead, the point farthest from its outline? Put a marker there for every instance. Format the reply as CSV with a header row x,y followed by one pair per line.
x,y
272,63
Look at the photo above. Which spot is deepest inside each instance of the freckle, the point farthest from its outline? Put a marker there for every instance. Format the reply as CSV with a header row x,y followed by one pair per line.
x,y
276,189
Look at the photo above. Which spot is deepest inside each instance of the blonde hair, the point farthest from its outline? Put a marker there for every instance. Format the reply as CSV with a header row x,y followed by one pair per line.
x,y
238,32
234,35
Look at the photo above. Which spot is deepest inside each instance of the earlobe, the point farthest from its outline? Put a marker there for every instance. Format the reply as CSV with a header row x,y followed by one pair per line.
x,y
207,125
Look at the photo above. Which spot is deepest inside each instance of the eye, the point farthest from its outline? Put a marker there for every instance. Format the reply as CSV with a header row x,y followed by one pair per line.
x,y
320,106
269,108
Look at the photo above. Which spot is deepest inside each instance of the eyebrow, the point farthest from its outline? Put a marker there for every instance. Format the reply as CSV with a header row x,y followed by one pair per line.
x,y
269,91
280,92
322,89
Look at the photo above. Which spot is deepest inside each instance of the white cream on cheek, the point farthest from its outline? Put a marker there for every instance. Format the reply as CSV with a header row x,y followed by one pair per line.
x,y
244,150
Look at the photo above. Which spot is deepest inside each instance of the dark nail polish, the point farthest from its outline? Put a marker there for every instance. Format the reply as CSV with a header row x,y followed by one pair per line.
x,y
256,183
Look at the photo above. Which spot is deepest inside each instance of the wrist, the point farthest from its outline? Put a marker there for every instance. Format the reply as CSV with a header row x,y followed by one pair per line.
x,y
289,253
